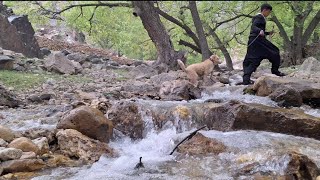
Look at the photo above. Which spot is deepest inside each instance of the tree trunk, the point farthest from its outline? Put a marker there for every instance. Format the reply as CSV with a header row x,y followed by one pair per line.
x,y
297,41
158,34
200,32
223,49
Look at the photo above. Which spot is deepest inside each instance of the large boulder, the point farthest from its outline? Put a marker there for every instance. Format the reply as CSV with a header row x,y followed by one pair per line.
x,y
6,134
175,90
22,165
309,66
7,98
17,35
6,63
236,116
296,166
25,144
309,91
170,76
139,88
74,144
202,145
10,154
126,118
89,121
286,96
59,63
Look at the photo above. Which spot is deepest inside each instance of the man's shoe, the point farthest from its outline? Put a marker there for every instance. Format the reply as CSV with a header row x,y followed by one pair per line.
x,y
248,82
279,73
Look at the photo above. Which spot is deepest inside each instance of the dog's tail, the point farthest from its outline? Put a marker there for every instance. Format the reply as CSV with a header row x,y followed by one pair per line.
x,y
182,66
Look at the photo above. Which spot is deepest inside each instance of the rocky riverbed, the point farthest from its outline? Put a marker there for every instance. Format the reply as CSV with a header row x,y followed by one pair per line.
x,y
93,116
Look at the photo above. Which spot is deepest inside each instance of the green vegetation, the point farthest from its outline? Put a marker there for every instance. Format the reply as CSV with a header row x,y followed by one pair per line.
x,y
116,28
23,81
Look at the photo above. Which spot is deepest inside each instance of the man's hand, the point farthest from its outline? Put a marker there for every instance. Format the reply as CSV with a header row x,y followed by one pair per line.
x,y
261,33
271,32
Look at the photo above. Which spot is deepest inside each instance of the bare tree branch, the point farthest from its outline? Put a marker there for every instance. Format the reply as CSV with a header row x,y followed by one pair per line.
x,y
311,27
54,14
190,45
234,18
90,20
187,29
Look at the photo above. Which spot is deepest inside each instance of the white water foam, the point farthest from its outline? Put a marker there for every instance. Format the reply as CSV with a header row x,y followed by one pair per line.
x,y
238,95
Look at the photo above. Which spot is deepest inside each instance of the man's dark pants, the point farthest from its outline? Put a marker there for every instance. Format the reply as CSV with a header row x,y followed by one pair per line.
x,y
260,49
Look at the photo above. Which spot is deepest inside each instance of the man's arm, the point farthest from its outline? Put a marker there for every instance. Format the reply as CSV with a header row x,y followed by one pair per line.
x,y
257,20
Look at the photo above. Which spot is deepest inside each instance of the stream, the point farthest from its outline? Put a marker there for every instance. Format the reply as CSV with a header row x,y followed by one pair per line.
x,y
244,147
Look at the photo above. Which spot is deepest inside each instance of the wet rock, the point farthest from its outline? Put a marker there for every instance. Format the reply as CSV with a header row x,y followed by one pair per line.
x,y
7,98
58,62
286,96
201,145
74,144
223,79
309,91
42,144
17,35
28,155
235,116
6,134
6,63
126,118
177,90
298,167
89,121
57,160
10,154
22,165
302,167
24,144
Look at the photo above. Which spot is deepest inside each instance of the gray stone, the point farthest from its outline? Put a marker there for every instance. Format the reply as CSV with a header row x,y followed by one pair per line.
x,y
59,63
6,63
45,51
10,154
3,143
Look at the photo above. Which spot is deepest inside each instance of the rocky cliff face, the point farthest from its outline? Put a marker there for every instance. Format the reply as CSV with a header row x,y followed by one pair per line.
x,y
17,34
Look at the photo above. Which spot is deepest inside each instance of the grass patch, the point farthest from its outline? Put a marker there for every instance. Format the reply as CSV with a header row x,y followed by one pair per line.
x,y
24,80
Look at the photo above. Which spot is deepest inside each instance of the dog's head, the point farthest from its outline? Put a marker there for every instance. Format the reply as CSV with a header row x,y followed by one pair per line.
x,y
215,59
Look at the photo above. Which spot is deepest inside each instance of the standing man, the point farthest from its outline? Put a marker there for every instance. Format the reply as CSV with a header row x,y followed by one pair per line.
x,y
259,47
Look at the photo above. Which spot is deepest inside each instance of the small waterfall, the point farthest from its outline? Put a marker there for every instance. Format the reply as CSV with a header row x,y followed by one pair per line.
x,y
244,147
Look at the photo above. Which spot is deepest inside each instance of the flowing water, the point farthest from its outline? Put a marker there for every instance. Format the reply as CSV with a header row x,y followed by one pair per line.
x,y
243,148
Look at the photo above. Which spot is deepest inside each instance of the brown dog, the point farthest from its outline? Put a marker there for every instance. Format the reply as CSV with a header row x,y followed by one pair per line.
x,y
205,68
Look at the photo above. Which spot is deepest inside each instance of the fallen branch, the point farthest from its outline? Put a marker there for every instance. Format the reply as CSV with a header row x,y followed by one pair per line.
x,y
187,138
